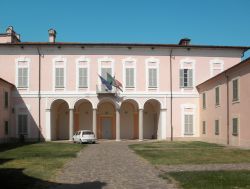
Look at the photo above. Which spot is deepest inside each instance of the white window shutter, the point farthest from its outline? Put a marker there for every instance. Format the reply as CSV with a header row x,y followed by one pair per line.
x,y
181,77
190,78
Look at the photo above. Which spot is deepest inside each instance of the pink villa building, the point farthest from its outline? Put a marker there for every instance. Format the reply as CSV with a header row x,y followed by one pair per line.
x,y
224,106
58,90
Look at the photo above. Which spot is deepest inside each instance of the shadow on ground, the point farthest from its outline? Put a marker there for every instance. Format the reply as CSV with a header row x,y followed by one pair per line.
x,y
15,178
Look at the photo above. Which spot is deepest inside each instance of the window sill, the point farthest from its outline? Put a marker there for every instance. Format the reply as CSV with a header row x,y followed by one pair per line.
x,y
186,134
82,87
217,105
129,87
152,87
235,101
187,87
22,88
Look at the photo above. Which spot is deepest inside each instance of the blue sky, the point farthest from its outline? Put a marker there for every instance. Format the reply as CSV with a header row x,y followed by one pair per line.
x,y
211,22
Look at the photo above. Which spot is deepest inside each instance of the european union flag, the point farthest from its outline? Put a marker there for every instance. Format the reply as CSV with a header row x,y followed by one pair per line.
x,y
106,83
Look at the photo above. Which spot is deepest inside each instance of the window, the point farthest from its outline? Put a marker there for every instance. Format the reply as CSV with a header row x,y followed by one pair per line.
x,y
235,90
217,127
22,77
6,127
217,96
152,77
186,78
83,77
130,77
203,127
235,126
6,99
152,73
216,66
188,124
22,124
203,100
59,77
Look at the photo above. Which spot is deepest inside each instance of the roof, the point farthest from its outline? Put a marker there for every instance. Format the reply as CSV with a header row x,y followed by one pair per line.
x,y
3,80
124,45
225,71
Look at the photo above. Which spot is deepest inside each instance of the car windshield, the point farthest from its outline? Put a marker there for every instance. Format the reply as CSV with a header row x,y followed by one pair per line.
x,y
87,133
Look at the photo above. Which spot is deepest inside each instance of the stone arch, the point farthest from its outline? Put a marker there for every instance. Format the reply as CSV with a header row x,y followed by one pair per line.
x,y
151,123
129,119
83,115
59,120
106,118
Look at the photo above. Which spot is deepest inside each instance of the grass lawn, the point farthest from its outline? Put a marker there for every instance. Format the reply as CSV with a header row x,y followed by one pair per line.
x,y
33,165
173,153
212,179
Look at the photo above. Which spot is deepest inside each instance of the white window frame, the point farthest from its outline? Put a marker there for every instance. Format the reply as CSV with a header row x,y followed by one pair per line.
x,y
183,63
78,61
64,61
238,100
27,61
217,105
133,62
100,66
214,62
192,111
156,62
238,134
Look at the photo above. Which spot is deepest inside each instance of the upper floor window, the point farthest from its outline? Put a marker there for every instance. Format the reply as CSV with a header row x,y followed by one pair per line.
x,y
216,67
59,72
204,104
235,89
130,75
186,78
6,99
82,67
129,72
217,96
187,68
22,79
152,67
59,77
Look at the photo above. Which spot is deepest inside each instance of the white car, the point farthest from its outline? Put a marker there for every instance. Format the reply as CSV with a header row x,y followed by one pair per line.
x,y
84,136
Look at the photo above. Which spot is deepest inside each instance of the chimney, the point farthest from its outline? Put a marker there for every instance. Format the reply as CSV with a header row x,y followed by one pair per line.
x,y
52,35
185,42
10,36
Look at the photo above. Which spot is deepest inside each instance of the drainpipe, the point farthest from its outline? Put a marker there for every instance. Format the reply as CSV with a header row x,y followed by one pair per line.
x,y
39,94
171,95
227,108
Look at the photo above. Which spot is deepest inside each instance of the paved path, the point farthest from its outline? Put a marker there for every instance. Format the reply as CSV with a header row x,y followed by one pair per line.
x,y
110,165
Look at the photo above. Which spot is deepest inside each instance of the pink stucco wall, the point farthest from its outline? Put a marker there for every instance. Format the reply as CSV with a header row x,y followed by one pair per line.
x,y
29,99
239,109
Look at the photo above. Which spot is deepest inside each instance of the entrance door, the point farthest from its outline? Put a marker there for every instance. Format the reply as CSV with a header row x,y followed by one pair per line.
x,y
106,128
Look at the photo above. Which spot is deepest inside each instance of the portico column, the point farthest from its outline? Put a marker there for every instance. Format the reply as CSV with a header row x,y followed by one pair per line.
x,y
117,121
48,124
71,123
163,116
140,124
94,122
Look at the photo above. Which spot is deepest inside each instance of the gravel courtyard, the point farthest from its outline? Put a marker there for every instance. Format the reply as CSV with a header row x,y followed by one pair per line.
x,y
110,165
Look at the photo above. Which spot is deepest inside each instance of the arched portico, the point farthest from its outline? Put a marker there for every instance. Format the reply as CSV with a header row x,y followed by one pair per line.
x,y
151,121
106,119
83,115
129,120
59,120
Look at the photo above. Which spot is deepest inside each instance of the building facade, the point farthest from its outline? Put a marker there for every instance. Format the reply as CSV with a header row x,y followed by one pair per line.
x,y
58,89
224,106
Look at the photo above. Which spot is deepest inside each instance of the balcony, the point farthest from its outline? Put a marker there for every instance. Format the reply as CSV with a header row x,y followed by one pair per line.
x,y
101,89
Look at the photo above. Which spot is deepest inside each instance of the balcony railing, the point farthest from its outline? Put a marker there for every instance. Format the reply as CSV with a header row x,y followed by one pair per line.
x,y
101,89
